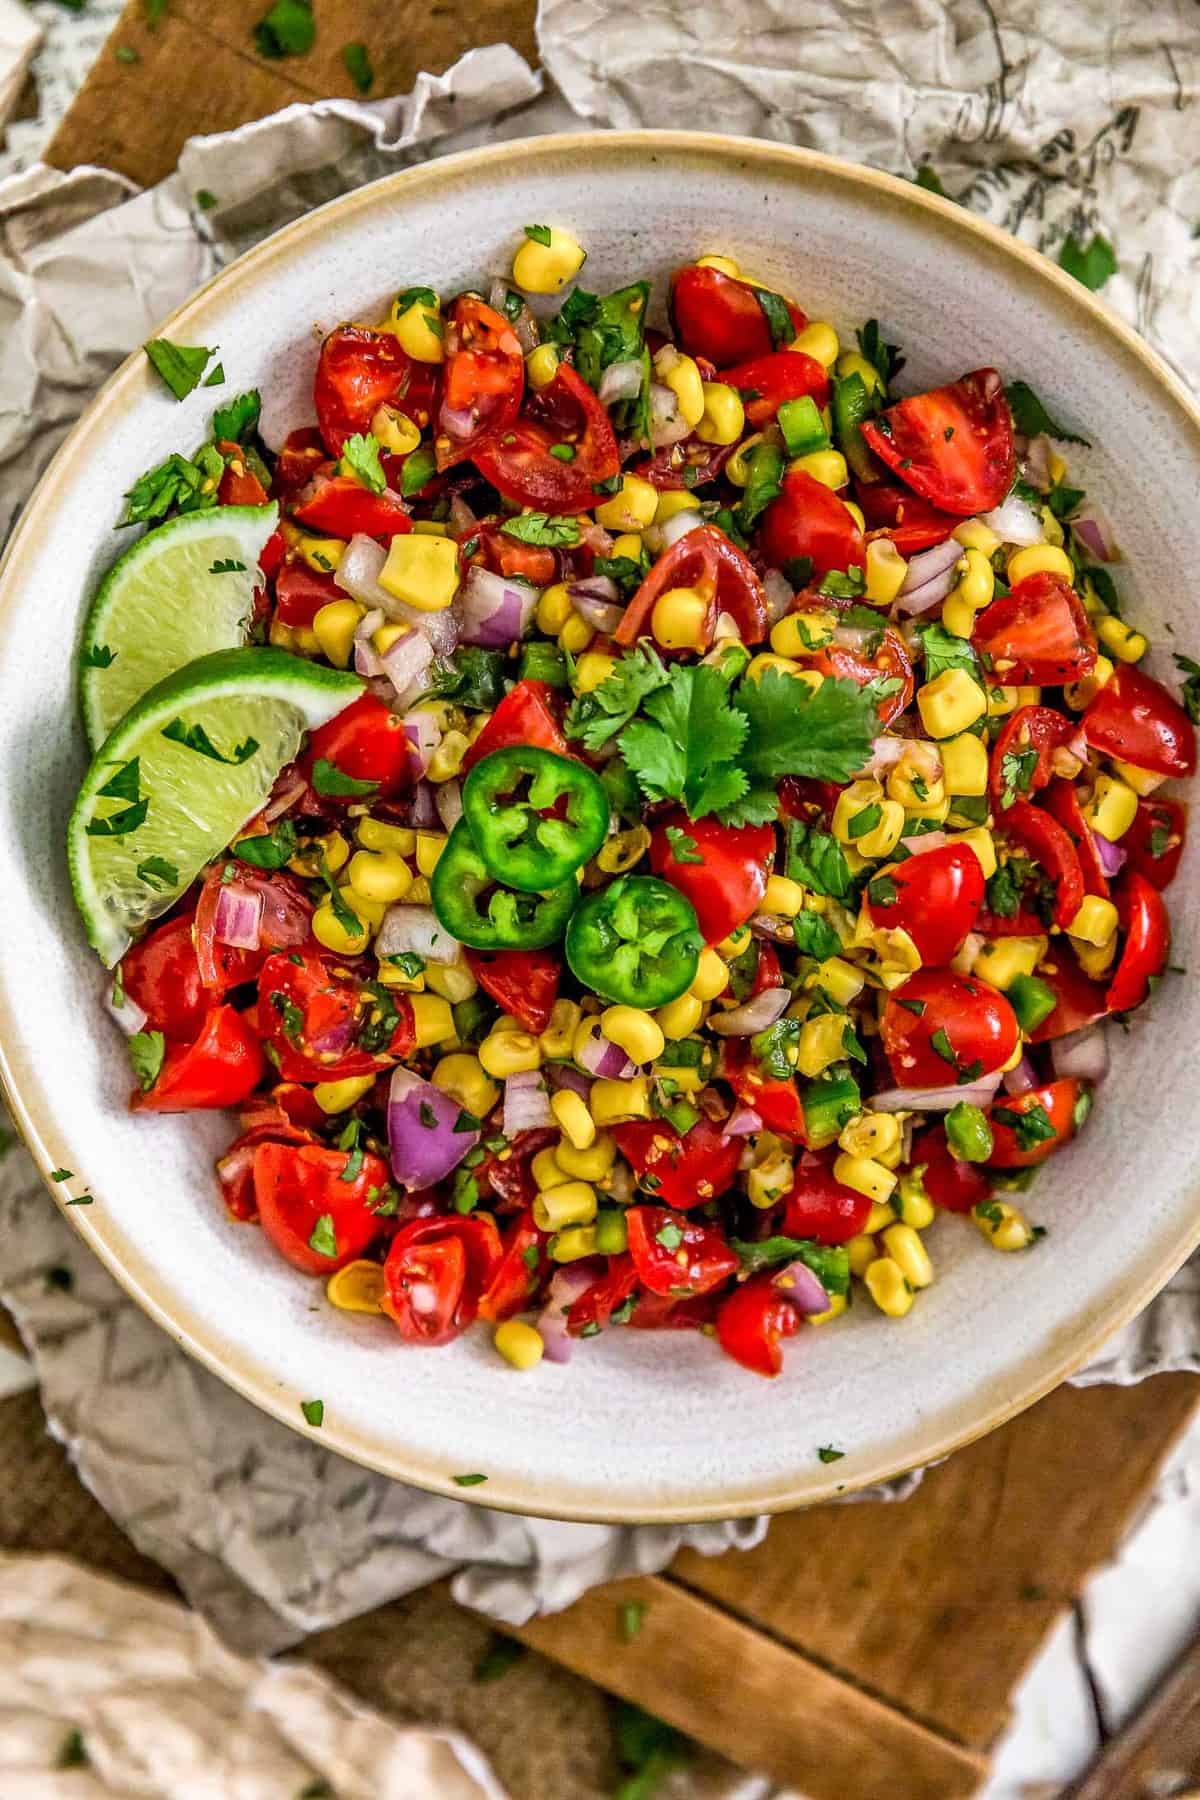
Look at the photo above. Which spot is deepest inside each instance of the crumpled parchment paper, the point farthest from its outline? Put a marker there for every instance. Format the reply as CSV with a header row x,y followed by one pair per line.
x,y
1049,120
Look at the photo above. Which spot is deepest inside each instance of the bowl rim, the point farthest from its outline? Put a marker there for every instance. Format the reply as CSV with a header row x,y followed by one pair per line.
x,y
1054,1365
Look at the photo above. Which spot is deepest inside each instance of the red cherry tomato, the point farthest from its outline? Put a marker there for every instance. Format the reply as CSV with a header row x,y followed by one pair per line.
x,y
483,380
342,506
1044,839
890,663
1020,1146
597,1304
519,1272
721,318
301,592
522,982
893,511
313,1020
729,881
953,445
768,971
162,976
703,559
1135,719
963,1030
359,371
689,464
751,1322
937,897
1081,1001
235,1170
436,1272
222,1066
768,382
1062,803
524,716
675,1255
1012,771
1037,633
506,555
239,485
303,453
518,461
508,1180
685,1171
776,1100
297,1185
658,1312
821,1207
1154,842
366,741
1146,929
953,1185
807,520
285,922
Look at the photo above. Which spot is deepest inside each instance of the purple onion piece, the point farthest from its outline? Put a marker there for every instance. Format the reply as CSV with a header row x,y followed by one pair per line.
x,y
426,1144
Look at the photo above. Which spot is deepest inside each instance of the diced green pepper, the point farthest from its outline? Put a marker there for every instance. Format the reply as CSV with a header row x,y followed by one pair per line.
x,y
968,1133
851,405
829,1103
611,1235
802,426
543,662
1032,1000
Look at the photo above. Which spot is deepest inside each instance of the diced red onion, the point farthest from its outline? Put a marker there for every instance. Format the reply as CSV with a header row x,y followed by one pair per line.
x,y
424,734
1112,857
885,754
743,1121
1038,452
566,1285
424,1153
1015,522
416,930
772,926
406,665
1094,528
801,1288
852,637
525,325
595,538
753,1015
460,518
1081,1055
778,590
358,575
457,421
238,917
927,564
367,660
620,381
422,806
977,1093
447,797
667,423
495,610
1020,1079
562,1075
289,787
526,1103
334,1041
127,1013
922,841
600,1056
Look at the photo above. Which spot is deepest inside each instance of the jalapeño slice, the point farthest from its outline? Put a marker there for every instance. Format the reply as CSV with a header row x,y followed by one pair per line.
x,y
535,817
636,941
476,909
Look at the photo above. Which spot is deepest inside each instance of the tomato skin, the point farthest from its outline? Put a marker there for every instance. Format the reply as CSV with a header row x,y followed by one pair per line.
x,y
522,982
690,1170
220,1068
1147,930
301,592
821,1207
506,555
162,975
895,512
1081,1001
302,454
365,740
730,882
938,899
342,506
297,1184
978,1021
752,1320
359,371
953,1185
704,559
1035,832
703,1260
774,379
321,1046
1135,719
524,716
514,1281
436,1272
1037,633
1062,803
689,464
1156,817
1058,1099
1037,728
953,446
719,317
482,383
518,461
891,661
775,1100
807,519
510,1183
596,1305
239,485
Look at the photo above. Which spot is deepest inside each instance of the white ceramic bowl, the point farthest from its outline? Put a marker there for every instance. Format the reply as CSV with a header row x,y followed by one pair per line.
x,y
640,1425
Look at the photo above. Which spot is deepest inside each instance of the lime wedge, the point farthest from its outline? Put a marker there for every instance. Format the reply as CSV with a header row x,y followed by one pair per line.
x,y
184,589
169,788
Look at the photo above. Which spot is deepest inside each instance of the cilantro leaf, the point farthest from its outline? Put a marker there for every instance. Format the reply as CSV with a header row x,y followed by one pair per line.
x,y
146,1052
357,63
324,1238
360,458
329,780
1190,691
1031,417
816,860
97,656
194,737
627,573
815,936
1030,1127
1092,265
942,651
824,734
928,178
598,716
179,365
538,234
314,1412
235,421
839,586
271,850
778,316
828,1262
1017,768
288,29
686,749
176,483
157,873
542,528
683,848
885,358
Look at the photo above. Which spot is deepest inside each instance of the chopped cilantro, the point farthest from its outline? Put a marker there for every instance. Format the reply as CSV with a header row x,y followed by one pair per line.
x,y
1190,691
683,848
357,63
1031,417
324,1238
194,737
1093,264
631,1616
468,1480
827,1454
1030,1126
179,365
329,780
238,418
542,528
147,1050
288,29
360,458
815,859
830,1263
314,1412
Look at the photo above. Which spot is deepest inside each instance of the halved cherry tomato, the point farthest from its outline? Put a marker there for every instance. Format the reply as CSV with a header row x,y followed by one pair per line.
x,y
821,1207
239,485
717,316
518,461
658,1312
940,1028
768,971
1154,842
890,662
774,1098
303,453
692,463
596,1304
1147,933
436,1272
359,371
703,559
519,1271
524,716
162,976
676,1255
1044,839
1037,633
953,445
508,1180
483,379
935,897
1062,803
301,592
1134,718
1012,773
893,511
953,1185
366,741
285,923
313,1019
297,1185
341,505
729,881
807,520
506,555
1053,1107
680,1172
767,382
1081,1001
521,982
752,1320
222,1066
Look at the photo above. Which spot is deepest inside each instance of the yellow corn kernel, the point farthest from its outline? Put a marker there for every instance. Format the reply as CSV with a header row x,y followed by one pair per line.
x,y
635,1032
463,1077
851,363
1112,807
616,1101
800,634
595,1163
1095,959
383,639
835,1309
1126,645
712,975
329,930
885,571
973,534
768,1181
677,622
976,579
724,417
951,703
861,1253
418,894
631,508
781,896
541,366
558,1038
628,544
884,1279
547,1171
433,1022
980,840
965,764
447,760
1004,1226
1080,694
518,1343
820,341
1095,922
864,1175
554,609
871,1134
738,467
913,1205
1039,559
724,265
339,1096
379,875
575,635
1142,781
430,845
453,981
417,328
321,553
841,980
909,1254
826,466
851,801
682,376
758,666
300,639
571,1245
391,975
679,1018
592,670
1001,960
332,849
421,571
673,501
359,1287
957,616
1002,700
375,834
573,1118
883,837
880,1217
504,1053
915,779
394,431
572,1203
820,1043
334,627
543,268
623,849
